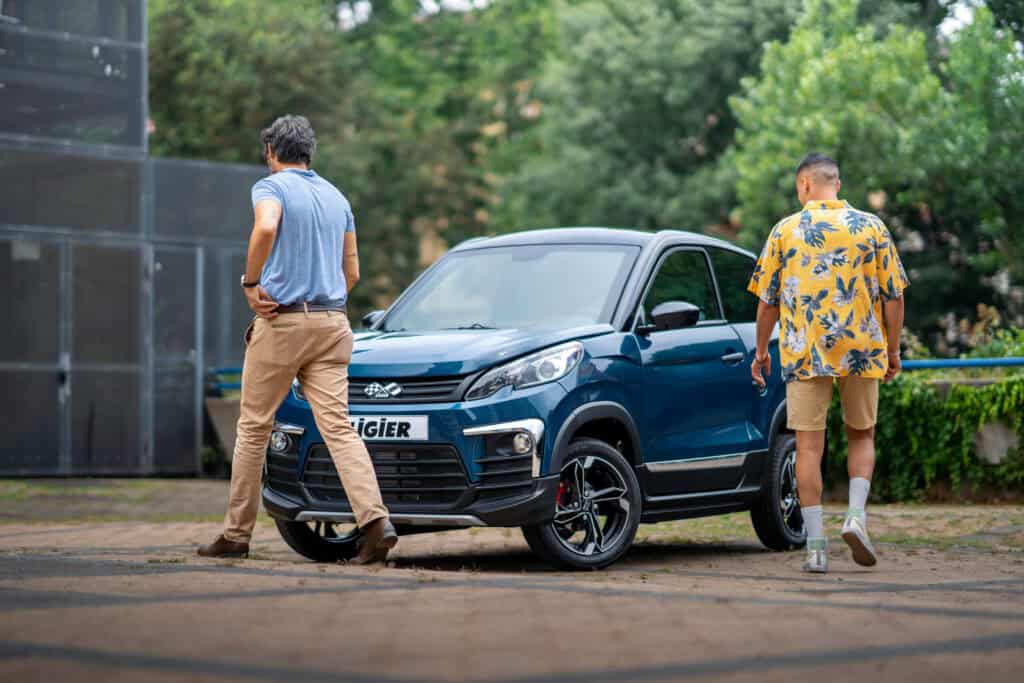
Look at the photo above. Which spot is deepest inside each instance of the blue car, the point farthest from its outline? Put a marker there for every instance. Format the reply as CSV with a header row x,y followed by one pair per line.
x,y
573,382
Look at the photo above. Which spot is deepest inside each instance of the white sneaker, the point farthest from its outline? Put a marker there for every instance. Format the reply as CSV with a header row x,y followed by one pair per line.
x,y
855,533
817,560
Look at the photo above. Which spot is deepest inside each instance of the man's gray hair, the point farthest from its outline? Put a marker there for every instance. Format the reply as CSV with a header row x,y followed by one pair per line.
x,y
291,139
823,169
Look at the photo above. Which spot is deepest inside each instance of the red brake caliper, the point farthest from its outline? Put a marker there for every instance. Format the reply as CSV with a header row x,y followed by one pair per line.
x,y
559,500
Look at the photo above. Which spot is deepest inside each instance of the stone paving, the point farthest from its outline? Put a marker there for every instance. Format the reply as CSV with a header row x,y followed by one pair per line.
x,y
116,599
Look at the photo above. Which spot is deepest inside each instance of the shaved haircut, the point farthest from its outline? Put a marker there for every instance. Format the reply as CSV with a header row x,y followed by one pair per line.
x,y
824,170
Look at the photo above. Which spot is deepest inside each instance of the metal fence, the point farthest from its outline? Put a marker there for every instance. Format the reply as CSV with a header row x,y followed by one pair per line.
x,y
118,273
113,308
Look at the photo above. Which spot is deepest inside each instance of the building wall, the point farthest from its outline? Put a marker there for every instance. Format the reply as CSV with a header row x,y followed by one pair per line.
x,y
118,273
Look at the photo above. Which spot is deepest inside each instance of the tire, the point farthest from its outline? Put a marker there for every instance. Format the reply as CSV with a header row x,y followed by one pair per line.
x,y
776,514
600,467
319,541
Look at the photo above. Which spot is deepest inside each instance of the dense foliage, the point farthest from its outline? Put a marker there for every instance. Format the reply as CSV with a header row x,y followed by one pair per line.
x,y
932,152
927,423
442,124
411,109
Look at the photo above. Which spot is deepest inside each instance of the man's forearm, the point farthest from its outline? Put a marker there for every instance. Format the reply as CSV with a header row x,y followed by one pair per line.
x,y
767,316
351,277
893,323
260,243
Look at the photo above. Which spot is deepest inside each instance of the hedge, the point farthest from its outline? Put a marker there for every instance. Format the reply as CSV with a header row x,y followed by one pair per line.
x,y
925,440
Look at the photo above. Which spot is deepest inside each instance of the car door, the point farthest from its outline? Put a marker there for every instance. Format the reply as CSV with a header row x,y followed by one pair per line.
x,y
695,385
733,269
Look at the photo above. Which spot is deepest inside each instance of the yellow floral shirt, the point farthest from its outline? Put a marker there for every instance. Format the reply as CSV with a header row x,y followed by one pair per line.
x,y
828,269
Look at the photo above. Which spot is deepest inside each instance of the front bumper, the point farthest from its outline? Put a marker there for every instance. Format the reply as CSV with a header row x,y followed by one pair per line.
x,y
535,507
464,468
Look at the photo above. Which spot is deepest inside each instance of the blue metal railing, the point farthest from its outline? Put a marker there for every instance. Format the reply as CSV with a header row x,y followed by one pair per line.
x,y
958,363
910,365
218,385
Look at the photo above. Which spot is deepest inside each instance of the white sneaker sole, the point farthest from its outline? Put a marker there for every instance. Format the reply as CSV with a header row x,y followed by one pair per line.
x,y
863,553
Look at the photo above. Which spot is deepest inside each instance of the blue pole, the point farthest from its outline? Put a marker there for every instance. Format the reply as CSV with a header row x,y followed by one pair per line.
x,y
937,363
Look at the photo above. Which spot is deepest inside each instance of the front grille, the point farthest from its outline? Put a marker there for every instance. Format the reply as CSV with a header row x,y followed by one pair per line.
x,y
414,390
408,474
283,473
503,473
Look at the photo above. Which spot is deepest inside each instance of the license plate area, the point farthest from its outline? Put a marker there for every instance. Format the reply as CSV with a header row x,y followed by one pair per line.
x,y
391,427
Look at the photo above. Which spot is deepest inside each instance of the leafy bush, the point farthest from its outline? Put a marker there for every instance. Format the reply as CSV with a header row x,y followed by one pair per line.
x,y
925,435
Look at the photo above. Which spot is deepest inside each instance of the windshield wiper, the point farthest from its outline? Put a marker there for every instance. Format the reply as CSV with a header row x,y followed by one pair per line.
x,y
474,326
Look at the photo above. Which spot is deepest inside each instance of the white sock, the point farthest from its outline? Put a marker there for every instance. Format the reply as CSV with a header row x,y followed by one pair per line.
x,y
859,488
815,524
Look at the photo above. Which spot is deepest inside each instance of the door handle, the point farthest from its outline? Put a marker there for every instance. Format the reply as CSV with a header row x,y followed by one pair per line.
x,y
733,358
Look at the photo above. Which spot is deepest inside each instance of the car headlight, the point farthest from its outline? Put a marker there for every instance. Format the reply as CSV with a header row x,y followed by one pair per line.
x,y
544,366
297,389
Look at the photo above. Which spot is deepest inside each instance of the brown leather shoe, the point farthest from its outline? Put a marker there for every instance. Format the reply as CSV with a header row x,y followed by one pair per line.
x,y
379,537
222,547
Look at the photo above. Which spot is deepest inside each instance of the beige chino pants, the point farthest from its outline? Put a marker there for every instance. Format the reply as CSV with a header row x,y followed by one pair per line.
x,y
316,347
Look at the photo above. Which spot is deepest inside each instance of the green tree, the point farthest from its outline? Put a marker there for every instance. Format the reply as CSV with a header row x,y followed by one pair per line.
x,y
636,112
928,158
220,70
412,109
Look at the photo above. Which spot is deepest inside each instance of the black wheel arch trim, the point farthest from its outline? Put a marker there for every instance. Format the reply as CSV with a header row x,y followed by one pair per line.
x,y
589,412
778,422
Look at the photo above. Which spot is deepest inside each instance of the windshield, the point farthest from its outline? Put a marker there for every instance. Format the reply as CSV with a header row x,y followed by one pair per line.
x,y
530,286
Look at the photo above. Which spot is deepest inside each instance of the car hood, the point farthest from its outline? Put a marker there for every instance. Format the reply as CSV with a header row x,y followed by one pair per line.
x,y
443,353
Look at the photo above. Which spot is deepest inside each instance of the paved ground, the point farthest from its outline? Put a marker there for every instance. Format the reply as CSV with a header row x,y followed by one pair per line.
x,y
106,588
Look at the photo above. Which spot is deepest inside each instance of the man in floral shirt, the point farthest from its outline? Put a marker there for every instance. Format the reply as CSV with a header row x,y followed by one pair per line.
x,y
832,275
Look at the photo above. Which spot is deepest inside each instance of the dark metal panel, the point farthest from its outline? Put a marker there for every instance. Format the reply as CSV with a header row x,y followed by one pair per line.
x,y
66,190
106,326
105,422
174,422
85,91
241,315
30,304
114,19
212,309
174,283
203,200
31,443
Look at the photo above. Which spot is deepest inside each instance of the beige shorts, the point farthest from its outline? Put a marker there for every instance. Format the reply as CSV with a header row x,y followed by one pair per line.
x,y
807,402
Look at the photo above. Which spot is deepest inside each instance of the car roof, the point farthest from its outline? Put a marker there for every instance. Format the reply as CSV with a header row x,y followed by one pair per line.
x,y
595,235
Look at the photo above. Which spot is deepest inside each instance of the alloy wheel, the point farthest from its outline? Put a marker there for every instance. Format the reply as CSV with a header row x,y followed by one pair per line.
x,y
789,497
330,532
592,508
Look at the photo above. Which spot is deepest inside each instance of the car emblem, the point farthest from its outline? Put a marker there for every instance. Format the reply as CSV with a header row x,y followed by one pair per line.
x,y
381,391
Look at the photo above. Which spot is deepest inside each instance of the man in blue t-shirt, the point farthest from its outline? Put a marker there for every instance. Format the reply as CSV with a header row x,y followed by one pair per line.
x,y
302,264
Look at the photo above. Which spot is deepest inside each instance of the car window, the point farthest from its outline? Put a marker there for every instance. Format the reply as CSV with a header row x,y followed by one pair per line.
x,y
547,286
683,276
733,271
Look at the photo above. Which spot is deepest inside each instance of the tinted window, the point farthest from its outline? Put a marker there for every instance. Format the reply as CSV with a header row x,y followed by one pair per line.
x,y
683,276
536,286
733,271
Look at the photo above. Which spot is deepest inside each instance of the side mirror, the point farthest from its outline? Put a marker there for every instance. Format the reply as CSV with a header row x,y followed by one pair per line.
x,y
371,318
673,315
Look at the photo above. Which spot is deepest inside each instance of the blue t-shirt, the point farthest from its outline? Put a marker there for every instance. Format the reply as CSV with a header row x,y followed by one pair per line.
x,y
305,262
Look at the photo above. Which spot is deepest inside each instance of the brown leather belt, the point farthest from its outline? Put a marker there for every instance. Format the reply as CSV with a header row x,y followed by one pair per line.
x,y
309,308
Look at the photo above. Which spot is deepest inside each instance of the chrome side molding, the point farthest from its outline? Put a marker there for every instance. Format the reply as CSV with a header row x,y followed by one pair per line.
x,y
710,463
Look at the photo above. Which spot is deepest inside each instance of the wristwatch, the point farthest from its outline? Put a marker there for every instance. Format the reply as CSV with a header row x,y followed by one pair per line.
x,y
248,284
